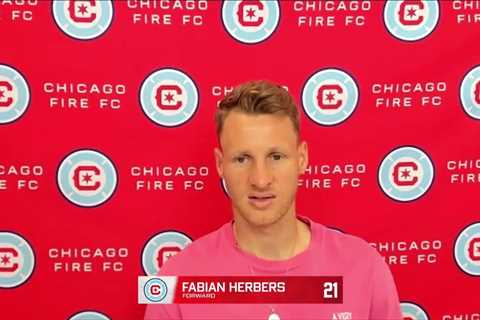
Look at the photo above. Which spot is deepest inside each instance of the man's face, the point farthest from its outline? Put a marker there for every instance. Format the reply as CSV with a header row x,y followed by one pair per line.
x,y
260,160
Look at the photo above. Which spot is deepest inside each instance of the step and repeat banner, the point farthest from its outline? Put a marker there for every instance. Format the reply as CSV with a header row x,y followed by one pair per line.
x,y
106,156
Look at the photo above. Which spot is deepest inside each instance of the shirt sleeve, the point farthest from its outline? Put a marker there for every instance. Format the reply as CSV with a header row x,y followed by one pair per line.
x,y
162,312
159,311
385,303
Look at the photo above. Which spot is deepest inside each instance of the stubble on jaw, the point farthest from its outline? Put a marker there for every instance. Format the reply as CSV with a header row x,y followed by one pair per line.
x,y
261,223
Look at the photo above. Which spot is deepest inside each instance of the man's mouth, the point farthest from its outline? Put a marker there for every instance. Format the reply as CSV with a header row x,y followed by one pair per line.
x,y
261,201
262,197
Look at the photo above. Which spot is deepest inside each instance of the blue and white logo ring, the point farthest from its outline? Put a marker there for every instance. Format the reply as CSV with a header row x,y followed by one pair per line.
x,y
162,287
470,93
175,85
88,21
16,259
158,241
464,250
419,18
406,174
14,94
412,310
337,83
263,20
87,178
89,315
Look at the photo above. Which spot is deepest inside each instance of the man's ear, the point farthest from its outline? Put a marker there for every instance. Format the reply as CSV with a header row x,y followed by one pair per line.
x,y
219,161
303,157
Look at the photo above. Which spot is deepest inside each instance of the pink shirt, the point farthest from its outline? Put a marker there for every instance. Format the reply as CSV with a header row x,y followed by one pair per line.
x,y
368,288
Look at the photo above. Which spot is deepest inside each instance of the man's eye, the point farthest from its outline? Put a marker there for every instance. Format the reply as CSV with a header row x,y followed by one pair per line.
x,y
242,159
276,156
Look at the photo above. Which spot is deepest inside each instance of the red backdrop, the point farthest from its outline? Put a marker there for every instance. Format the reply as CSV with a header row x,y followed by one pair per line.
x,y
389,94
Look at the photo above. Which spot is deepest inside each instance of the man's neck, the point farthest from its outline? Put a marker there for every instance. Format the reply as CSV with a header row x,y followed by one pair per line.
x,y
280,241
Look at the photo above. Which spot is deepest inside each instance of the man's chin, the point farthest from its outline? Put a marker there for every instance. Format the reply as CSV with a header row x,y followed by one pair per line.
x,y
262,218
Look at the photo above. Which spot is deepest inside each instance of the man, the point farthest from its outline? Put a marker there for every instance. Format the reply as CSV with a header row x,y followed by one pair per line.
x,y
260,157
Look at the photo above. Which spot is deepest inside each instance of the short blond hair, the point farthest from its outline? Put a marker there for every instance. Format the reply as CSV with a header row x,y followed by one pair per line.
x,y
258,97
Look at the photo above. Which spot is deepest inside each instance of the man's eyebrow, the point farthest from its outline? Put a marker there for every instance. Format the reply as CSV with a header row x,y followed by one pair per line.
x,y
269,150
275,149
241,152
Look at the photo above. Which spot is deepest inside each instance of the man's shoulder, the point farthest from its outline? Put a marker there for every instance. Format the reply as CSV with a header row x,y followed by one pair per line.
x,y
345,248
345,240
196,253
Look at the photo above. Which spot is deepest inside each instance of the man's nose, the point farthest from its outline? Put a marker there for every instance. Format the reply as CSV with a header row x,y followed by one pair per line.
x,y
260,176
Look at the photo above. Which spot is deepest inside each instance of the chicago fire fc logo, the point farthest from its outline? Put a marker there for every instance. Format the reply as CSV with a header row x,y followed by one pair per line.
x,y
89,315
250,21
467,250
406,174
16,260
411,20
169,97
412,311
87,178
14,94
329,97
83,19
470,93
155,290
160,248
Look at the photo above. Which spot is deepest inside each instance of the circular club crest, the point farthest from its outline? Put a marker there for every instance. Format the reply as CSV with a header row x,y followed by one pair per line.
x,y
250,21
470,93
17,260
169,97
83,20
89,315
412,311
87,178
14,94
467,249
411,20
155,290
406,174
329,97
160,248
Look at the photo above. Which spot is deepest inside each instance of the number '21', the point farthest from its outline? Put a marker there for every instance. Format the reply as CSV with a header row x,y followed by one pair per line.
x,y
330,290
